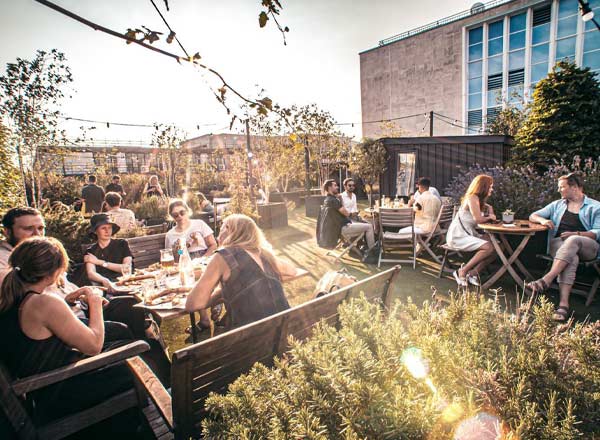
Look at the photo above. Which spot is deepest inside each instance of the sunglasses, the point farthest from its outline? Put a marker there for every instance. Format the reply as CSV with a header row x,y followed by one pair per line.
x,y
176,215
351,186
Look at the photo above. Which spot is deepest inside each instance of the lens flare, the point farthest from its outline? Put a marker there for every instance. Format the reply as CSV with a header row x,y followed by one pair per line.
x,y
482,426
412,359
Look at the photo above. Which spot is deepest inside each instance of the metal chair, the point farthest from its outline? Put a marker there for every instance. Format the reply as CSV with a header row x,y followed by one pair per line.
x,y
397,218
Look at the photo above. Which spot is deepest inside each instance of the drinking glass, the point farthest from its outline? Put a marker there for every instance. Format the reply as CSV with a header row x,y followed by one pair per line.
x,y
166,258
126,270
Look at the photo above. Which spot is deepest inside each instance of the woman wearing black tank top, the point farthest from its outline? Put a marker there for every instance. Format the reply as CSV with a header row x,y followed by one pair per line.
x,y
249,274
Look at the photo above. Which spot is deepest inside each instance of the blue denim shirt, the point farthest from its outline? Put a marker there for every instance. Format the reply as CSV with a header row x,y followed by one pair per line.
x,y
589,214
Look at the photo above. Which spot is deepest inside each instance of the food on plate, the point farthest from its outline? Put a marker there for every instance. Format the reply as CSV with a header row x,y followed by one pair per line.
x,y
133,279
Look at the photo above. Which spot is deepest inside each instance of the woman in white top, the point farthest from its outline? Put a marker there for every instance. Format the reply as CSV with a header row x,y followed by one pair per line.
x,y
462,234
198,236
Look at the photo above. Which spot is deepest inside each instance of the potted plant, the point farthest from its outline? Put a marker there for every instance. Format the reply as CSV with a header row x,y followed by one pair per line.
x,y
508,216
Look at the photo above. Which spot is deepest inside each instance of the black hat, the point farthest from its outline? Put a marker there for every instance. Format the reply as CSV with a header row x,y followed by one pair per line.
x,y
98,220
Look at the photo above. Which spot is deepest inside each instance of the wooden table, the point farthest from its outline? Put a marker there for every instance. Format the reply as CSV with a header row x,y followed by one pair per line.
x,y
508,255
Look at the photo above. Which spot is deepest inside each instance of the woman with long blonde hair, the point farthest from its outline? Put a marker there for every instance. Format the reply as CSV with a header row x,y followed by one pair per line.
x,y
462,234
249,274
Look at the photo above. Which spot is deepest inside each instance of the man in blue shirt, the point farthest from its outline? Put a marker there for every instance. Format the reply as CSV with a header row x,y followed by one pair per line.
x,y
574,232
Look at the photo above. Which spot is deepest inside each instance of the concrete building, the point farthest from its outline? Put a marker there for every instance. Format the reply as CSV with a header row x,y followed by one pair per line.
x,y
467,67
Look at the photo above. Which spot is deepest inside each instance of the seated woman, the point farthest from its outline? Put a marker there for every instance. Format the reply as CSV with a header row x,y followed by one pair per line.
x,y
152,188
41,333
574,230
249,274
205,204
463,236
198,235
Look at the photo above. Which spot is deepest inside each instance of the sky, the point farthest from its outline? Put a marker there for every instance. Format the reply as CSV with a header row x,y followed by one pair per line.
x,y
117,82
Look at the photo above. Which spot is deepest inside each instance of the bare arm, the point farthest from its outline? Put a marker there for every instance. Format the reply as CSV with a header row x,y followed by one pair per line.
x,y
473,204
91,261
58,318
211,243
534,218
285,268
200,296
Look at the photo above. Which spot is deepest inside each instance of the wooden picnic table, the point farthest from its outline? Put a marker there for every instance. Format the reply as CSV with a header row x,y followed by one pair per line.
x,y
510,257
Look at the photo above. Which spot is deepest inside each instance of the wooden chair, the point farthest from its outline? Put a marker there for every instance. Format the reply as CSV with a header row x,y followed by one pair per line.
x,y
16,405
397,218
146,249
213,364
438,233
587,290
345,245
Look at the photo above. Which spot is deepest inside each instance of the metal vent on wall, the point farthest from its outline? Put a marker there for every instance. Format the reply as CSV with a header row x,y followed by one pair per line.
x,y
516,77
492,114
475,117
494,82
542,16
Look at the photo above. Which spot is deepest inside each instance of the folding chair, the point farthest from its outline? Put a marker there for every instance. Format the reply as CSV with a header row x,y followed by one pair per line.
x,y
588,291
349,243
397,218
438,233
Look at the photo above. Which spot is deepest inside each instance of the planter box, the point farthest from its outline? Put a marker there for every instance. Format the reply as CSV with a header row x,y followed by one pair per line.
x,y
155,221
291,196
272,215
313,205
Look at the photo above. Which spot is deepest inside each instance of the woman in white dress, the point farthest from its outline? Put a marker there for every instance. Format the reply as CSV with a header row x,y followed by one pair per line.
x,y
463,236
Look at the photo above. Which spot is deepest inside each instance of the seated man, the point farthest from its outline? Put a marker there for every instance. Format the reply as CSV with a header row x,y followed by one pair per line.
x,y
427,209
335,220
574,223
349,199
424,184
124,218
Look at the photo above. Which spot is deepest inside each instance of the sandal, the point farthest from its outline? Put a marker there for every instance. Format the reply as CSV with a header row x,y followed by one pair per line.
x,y
462,282
561,314
537,286
199,328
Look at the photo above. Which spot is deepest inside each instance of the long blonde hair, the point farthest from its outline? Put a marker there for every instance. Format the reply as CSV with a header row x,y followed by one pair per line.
x,y
31,261
243,232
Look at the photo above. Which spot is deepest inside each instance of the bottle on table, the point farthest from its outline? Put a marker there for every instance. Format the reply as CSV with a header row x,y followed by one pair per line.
x,y
185,266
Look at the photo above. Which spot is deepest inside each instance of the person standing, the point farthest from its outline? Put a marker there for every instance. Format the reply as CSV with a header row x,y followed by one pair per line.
x,y
574,231
115,186
93,195
124,218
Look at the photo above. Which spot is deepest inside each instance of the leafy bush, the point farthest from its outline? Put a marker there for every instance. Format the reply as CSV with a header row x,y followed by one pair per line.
x,y
11,189
133,184
57,188
68,226
429,372
522,189
150,208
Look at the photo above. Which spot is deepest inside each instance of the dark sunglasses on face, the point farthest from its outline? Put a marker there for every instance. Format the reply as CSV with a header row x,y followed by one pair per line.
x,y
350,186
176,215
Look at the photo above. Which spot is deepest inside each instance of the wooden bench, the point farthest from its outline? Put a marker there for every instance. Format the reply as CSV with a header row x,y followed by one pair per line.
x,y
16,405
146,249
213,364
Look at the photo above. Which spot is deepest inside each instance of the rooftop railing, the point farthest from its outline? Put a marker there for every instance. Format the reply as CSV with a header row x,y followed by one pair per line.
x,y
456,17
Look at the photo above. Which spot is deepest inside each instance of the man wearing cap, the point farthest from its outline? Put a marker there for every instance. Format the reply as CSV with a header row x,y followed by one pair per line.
x,y
105,259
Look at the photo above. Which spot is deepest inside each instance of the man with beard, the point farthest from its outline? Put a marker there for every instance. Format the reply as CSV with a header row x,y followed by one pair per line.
x,y
19,224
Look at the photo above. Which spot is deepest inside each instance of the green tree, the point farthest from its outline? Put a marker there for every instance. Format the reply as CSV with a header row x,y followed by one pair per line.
x,y
30,92
564,119
508,122
174,160
11,193
369,161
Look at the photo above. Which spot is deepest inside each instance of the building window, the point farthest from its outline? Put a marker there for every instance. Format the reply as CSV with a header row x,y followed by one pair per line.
x,y
591,41
475,73
540,44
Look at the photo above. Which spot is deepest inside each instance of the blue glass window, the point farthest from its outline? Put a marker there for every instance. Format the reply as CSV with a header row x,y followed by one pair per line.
x,y
475,100
592,41
476,35
589,25
541,34
565,48
540,53
495,65
538,71
517,40
567,7
475,51
515,94
475,85
518,22
592,60
475,69
567,27
494,97
594,3
495,30
516,60
495,46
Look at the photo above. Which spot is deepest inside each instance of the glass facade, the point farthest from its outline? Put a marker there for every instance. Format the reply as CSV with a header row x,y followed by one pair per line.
x,y
507,57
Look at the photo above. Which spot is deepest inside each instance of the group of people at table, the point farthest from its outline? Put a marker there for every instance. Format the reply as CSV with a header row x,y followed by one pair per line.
x,y
47,321
573,224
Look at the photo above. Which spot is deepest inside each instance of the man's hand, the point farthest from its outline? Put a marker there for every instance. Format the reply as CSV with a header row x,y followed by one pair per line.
x,y
547,223
566,235
89,258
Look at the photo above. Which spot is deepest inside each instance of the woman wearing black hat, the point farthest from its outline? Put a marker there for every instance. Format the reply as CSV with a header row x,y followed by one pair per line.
x,y
105,259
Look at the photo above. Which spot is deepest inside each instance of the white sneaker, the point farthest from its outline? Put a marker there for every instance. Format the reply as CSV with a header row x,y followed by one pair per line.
x,y
460,281
472,279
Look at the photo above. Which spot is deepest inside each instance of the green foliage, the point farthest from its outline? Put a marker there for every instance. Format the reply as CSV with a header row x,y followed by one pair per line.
x,y
508,122
68,226
523,189
480,364
133,184
241,203
54,187
174,159
564,118
150,208
369,161
11,189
